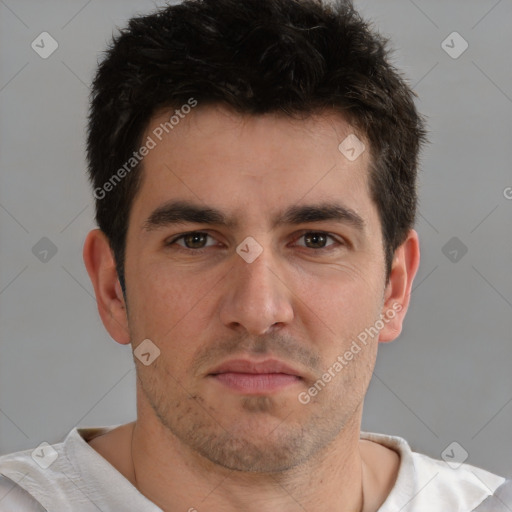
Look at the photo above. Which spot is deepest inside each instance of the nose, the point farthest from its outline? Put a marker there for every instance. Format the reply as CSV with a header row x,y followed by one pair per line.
x,y
257,298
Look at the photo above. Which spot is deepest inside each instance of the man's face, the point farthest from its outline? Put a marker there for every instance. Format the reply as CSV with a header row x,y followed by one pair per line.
x,y
318,282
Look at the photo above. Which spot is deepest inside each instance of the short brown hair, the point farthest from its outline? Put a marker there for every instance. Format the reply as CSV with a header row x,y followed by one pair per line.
x,y
257,56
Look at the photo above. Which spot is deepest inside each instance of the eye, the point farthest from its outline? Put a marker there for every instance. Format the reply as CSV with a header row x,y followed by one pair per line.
x,y
193,240
317,240
197,240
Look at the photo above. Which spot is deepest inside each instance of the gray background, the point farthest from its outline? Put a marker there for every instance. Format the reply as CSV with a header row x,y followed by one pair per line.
x,y
447,378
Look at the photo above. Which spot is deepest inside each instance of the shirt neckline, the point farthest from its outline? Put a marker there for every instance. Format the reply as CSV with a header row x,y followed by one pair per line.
x,y
78,450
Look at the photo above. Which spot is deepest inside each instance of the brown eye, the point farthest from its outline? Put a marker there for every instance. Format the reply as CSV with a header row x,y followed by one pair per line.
x,y
193,240
319,241
315,240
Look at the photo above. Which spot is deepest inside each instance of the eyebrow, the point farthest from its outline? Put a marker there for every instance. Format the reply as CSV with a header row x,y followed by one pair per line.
x,y
182,212
320,212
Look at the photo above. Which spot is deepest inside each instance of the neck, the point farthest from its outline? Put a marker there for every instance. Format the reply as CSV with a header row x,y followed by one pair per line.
x,y
176,478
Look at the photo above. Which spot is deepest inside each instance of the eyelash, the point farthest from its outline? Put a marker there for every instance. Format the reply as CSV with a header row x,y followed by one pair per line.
x,y
337,242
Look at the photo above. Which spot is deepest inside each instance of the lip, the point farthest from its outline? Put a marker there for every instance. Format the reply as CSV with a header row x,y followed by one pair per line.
x,y
255,377
255,367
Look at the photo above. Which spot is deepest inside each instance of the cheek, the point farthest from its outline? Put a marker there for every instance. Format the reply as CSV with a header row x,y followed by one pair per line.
x,y
169,302
342,292
338,312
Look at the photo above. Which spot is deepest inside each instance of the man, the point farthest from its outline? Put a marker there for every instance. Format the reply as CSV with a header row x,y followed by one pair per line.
x,y
254,168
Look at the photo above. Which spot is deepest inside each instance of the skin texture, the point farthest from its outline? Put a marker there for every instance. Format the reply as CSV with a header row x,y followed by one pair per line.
x,y
196,442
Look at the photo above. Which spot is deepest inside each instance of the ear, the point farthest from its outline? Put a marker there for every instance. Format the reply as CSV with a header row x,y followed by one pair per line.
x,y
100,263
397,294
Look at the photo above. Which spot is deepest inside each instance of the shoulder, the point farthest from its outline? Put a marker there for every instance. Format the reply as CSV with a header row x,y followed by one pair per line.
x,y
500,501
426,484
47,474
14,497
33,472
455,485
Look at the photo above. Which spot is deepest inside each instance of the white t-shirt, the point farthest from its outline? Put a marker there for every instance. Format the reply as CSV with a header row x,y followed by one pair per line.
x,y
72,476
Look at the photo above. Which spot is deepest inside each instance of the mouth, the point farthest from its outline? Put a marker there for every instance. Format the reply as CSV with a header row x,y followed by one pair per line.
x,y
255,377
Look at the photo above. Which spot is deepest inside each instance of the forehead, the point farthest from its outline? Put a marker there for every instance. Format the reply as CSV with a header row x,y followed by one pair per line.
x,y
243,163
